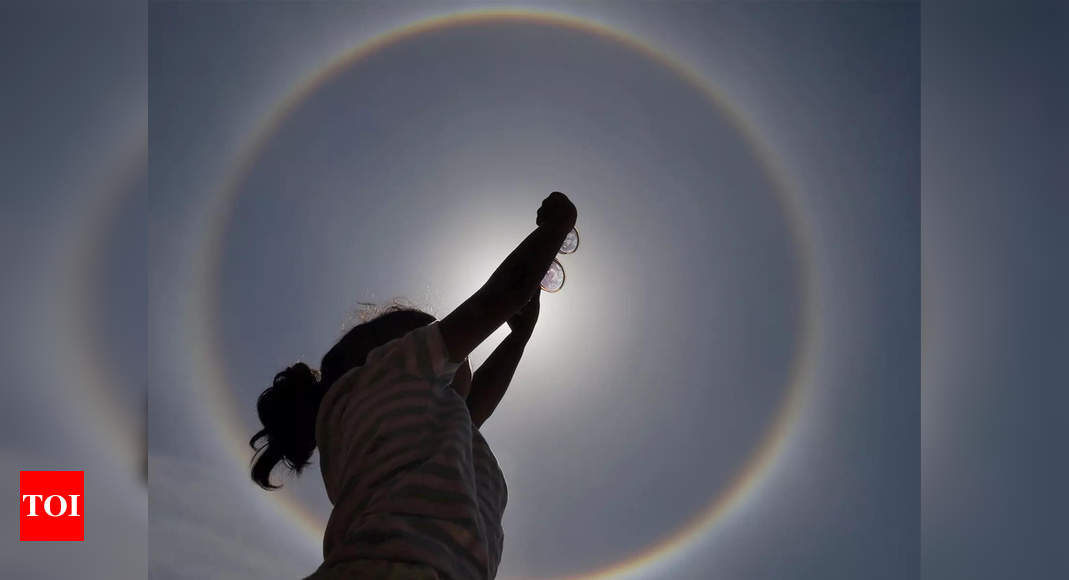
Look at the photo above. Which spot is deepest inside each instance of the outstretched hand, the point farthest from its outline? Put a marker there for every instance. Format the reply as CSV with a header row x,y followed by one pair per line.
x,y
523,321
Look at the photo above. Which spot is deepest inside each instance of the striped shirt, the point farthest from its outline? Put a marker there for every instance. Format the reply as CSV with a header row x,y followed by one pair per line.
x,y
410,477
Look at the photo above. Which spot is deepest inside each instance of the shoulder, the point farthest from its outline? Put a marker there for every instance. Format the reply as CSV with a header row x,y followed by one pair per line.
x,y
422,353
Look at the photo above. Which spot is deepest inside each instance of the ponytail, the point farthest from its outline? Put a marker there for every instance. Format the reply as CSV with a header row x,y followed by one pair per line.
x,y
289,406
288,411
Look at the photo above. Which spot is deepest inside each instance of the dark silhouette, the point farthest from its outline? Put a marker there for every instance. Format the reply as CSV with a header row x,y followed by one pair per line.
x,y
416,490
288,407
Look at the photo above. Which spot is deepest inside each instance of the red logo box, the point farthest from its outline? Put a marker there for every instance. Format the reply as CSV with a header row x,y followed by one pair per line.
x,y
51,506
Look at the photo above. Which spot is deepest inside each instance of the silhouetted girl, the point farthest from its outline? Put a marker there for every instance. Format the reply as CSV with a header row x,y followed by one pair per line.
x,y
396,411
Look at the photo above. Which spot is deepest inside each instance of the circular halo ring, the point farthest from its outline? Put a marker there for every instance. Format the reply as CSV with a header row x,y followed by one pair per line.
x,y
212,382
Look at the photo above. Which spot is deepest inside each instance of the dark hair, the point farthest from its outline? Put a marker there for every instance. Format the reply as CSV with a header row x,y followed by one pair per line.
x,y
288,408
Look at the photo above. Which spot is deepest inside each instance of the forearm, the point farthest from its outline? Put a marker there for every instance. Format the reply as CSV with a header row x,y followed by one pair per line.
x,y
510,287
491,380
517,278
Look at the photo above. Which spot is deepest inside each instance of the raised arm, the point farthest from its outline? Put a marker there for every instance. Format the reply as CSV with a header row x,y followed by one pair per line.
x,y
492,379
513,283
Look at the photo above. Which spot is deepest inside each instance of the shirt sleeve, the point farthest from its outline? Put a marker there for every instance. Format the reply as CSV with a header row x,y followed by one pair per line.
x,y
417,357
420,355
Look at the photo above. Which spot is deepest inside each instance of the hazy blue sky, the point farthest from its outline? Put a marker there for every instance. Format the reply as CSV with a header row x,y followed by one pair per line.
x,y
651,378
72,213
838,91
655,373
996,321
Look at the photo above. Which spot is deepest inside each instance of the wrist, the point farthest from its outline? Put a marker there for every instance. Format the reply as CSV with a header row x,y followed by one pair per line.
x,y
561,225
521,335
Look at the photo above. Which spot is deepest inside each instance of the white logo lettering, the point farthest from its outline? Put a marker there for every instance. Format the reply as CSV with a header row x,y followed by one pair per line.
x,y
33,503
48,505
62,502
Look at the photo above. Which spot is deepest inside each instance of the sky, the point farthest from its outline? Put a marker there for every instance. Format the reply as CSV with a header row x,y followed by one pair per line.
x,y
737,362
994,400
694,329
74,203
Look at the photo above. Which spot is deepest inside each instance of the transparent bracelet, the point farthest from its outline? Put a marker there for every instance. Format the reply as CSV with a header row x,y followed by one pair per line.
x,y
553,281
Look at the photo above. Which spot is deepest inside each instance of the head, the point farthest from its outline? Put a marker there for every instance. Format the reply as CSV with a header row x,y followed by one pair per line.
x,y
288,408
